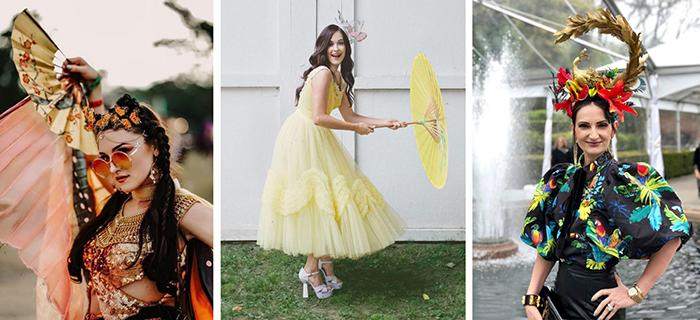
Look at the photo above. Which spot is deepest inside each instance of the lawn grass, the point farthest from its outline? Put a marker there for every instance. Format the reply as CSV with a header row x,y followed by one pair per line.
x,y
259,284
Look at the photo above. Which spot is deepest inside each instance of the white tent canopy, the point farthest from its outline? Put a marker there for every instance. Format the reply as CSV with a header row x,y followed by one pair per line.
x,y
673,84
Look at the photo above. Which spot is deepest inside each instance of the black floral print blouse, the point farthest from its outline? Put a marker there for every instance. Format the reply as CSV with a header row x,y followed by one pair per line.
x,y
627,211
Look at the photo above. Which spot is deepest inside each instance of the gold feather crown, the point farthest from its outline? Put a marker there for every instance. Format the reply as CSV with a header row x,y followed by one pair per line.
x,y
611,85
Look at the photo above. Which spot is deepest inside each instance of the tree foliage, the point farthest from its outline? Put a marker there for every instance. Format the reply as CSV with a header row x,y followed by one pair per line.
x,y
10,90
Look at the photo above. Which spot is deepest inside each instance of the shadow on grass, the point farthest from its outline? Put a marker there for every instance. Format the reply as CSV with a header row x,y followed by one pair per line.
x,y
390,284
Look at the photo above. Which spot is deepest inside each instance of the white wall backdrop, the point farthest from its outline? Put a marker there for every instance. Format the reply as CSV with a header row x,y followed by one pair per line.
x,y
265,45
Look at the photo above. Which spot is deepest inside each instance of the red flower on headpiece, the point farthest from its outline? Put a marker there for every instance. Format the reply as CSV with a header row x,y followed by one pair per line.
x,y
576,91
563,76
564,105
617,98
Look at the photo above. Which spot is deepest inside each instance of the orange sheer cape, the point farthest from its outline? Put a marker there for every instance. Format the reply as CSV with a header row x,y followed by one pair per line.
x,y
36,209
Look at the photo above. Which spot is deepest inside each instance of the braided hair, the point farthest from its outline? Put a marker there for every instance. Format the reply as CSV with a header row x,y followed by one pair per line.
x,y
159,224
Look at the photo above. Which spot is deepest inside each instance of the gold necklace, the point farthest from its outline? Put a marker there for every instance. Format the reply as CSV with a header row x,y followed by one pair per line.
x,y
121,229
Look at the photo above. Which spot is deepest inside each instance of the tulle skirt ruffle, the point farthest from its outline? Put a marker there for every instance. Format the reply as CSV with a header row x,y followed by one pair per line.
x,y
316,200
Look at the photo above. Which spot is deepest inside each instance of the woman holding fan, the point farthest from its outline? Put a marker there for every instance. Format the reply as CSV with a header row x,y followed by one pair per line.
x,y
152,239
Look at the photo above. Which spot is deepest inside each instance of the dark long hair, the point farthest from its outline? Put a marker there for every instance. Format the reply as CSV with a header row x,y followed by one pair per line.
x,y
159,223
320,58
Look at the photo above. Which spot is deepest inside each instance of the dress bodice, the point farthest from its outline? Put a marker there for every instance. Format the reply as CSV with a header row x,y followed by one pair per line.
x,y
113,261
625,211
335,93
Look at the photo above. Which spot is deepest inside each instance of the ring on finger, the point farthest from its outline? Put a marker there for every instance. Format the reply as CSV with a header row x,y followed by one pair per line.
x,y
610,307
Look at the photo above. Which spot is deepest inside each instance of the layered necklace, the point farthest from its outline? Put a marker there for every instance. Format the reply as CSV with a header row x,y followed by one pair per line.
x,y
123,228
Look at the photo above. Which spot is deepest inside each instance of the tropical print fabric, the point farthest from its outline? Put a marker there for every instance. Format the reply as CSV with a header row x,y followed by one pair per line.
x,y
627,211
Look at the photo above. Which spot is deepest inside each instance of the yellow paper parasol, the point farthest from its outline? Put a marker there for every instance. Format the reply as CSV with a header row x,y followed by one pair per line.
x,y
60,102
428,116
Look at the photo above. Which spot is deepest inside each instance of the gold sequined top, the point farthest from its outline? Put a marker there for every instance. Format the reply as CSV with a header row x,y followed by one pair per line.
x,y
110,259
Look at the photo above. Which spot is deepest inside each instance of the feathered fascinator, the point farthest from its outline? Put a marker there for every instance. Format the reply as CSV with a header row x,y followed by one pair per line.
x,y
611,85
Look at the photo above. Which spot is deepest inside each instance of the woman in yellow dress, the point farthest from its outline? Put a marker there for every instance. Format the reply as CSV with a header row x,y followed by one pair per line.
x,y
316,201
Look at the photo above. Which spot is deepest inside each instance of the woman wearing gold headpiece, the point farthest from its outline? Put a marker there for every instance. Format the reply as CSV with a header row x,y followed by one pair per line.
x,y
147,254
591,214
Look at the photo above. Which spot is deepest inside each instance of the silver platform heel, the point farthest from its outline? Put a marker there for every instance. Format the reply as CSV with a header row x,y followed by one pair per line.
x,y
332,281
322,291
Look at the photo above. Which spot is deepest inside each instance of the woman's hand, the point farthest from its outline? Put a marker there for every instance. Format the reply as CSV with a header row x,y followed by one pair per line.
x,y
532,313
363,128
394,124
617,298
697,173
79,69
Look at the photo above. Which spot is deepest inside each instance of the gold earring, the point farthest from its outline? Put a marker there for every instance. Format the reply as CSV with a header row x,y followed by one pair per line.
x,y
154,175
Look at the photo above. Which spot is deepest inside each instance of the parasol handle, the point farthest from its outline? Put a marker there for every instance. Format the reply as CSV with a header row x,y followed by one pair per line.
x,y
387,126
407,123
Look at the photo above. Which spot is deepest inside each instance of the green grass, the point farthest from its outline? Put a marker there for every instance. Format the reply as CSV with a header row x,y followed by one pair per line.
x,y
259,284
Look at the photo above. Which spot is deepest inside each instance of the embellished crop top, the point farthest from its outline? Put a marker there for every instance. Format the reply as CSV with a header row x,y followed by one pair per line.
x,y
111,260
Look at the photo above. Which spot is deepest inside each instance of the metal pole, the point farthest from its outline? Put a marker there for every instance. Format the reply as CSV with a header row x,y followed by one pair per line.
x,y
678,127
549,29
547,157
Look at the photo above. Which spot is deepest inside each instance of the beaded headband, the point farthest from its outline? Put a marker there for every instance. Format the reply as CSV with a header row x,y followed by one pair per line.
x,y
118,117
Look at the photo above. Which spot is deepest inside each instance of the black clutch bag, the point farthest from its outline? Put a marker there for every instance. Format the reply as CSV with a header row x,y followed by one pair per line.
x,y
548,308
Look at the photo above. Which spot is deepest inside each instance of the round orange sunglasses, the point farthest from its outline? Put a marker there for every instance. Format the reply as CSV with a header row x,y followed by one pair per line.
x,y
120,159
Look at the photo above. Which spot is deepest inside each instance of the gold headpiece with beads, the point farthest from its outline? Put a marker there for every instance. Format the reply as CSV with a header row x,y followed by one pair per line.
x,y
611,85
118,117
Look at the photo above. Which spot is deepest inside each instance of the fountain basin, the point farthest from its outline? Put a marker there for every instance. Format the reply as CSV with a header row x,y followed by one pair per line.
x,y
495,250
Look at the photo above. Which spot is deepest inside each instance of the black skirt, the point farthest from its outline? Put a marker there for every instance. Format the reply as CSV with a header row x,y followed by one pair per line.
x,y
157,312
576,285
160,312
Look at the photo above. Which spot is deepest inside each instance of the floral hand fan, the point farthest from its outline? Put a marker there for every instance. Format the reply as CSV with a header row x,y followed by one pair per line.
x,y
60,102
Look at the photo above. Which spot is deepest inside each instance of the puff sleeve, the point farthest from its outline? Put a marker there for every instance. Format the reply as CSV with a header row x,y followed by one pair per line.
x,y
540,227
645,209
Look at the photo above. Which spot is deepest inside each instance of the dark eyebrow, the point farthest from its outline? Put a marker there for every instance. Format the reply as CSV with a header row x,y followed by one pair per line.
x,y
119,146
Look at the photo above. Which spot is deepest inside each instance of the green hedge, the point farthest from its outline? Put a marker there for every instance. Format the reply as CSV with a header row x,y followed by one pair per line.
x,y
678,163
675,164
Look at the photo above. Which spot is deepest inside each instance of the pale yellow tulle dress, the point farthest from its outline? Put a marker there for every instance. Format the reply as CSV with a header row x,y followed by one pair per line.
x,y
316,201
